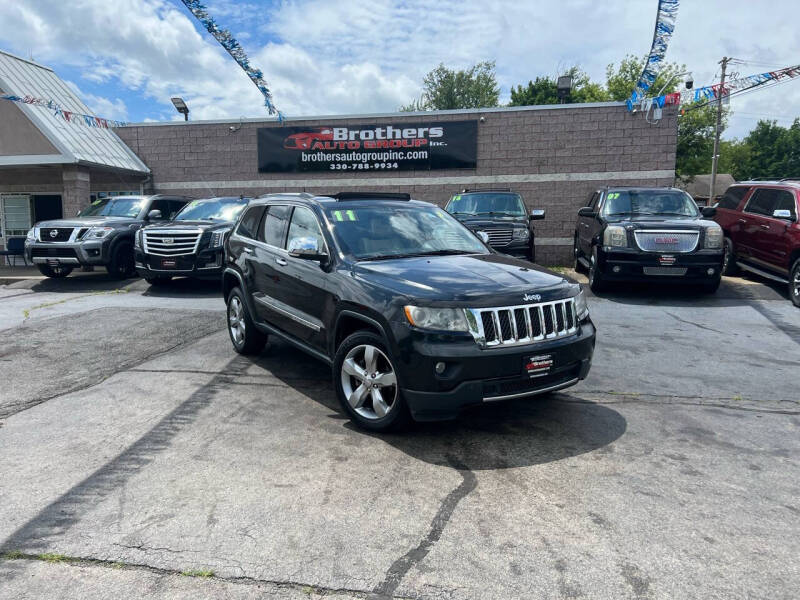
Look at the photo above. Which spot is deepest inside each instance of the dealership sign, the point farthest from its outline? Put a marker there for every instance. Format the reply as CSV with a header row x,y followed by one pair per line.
x,y
368,148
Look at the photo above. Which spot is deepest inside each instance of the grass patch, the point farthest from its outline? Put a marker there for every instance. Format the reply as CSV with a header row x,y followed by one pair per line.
x,y
198,573
52,558
27,312
13,555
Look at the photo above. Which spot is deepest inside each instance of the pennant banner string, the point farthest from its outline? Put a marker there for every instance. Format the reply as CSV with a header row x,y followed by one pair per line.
x,y
69,116
665,25
227,41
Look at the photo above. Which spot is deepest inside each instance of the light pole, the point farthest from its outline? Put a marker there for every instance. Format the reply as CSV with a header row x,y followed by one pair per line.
x,y
181,107
715,156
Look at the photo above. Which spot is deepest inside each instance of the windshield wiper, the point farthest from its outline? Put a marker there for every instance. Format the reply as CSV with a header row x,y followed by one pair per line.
x,y
499,212
449,252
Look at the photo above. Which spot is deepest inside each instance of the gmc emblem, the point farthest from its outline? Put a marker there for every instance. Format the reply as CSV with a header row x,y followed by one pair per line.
x,y
666,240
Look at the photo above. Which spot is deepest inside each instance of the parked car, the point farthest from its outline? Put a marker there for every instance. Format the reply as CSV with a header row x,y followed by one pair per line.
x,y
762,234
647,234
102,234
189,245
501,215
305,139
414,313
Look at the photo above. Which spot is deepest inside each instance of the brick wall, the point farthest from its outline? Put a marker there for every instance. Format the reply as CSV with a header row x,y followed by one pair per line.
x,y
554,156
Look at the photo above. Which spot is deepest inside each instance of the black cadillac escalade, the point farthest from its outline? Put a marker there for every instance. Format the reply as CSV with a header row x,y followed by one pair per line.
x,y
190,244
412,311
500,215
648,234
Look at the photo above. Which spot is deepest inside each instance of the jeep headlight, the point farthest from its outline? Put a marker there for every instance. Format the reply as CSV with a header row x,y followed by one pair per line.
x,y
714,237
33,235
614,235
217,237
521,234
442,319
581,306
137,239
97,233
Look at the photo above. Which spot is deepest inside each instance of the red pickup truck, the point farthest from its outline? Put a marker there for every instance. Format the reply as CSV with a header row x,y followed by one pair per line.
x,y
762,233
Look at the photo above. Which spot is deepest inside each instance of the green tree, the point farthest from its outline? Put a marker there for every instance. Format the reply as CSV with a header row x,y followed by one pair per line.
x,y
696,126
621,80
446,89
734,158
544,90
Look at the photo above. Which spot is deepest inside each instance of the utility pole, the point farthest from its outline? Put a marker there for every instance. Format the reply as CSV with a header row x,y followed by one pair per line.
x,y
715,156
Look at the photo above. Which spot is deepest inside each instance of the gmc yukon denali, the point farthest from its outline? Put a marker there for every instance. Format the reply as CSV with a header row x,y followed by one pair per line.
x,y
415,315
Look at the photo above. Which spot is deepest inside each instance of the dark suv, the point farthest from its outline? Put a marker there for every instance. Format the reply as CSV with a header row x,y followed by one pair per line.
x,y
501,215
762,234
101,235
191,244
413,312
648,234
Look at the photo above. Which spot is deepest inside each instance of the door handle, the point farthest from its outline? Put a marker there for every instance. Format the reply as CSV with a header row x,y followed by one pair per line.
x,y
584,225
764,226
743,221
247,250
281,262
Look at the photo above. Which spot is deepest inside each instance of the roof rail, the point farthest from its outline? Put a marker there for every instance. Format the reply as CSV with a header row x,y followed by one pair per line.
x,y
300,194
341,196
469,191
790,179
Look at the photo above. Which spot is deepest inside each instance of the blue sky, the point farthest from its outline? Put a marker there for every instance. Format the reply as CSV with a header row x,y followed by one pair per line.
x,y
128,57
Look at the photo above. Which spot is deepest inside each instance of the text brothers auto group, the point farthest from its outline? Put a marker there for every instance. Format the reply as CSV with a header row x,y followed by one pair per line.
x,y
343,138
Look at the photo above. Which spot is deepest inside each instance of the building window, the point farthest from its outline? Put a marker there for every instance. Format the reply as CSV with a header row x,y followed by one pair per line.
x,y
15,215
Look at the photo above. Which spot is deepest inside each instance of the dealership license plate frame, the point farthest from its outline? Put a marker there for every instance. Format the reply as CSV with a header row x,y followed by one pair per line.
x,y
538,365
168,263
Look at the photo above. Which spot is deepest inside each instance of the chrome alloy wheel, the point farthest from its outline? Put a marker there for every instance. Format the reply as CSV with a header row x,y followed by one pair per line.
x,y
369,382
236,320
795,289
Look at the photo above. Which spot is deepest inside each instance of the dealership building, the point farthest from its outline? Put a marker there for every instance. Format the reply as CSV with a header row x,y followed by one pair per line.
x,y
553,155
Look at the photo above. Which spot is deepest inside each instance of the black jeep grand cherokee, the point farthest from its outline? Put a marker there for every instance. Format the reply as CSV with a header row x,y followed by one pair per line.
x,y
648,234
412,311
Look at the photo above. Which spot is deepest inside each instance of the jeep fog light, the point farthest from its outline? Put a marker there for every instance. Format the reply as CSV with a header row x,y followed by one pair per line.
x,y
443,319
615,235
714,237
439,367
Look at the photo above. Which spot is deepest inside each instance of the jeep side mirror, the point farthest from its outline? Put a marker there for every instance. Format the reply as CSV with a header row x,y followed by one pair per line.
x,y
536,214
783,213
587,211
708,211
154,215
306,248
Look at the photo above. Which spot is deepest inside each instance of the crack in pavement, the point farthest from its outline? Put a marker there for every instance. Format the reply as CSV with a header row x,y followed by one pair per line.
x,y
677,318
64,512
125,367
400,568
240,580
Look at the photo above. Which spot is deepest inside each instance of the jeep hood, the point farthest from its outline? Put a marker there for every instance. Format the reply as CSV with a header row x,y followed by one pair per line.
x,y
481,279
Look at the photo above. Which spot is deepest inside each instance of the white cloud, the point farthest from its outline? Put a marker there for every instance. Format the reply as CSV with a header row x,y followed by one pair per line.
x,y
352,56
100,105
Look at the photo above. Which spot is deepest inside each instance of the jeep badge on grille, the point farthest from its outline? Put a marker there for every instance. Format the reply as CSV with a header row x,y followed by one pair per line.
x,y
531,298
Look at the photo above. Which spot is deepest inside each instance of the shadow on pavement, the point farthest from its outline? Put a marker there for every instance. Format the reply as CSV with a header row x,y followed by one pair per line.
x,y
182,287
79,281
501,435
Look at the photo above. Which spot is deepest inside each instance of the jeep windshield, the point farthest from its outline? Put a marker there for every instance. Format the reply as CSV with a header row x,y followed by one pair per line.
x,y
487,204
218,209
650,202
392,231
113,207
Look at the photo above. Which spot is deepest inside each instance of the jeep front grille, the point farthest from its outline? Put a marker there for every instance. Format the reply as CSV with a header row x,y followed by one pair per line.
x,y
165,242
499,237
665,241
525,324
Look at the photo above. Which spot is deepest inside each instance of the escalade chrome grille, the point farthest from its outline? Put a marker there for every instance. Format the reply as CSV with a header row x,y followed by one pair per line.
x,y
526,324
667,241
170,243
499,237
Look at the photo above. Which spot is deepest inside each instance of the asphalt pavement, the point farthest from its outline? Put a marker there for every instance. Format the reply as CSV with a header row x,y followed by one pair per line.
x,y
140,457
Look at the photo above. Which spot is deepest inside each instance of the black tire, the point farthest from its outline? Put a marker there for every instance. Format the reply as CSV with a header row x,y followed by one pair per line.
x,y
159,280
58,272
122,265
711,288
794,283
245,337
729,260
367,414
577,265
596,282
